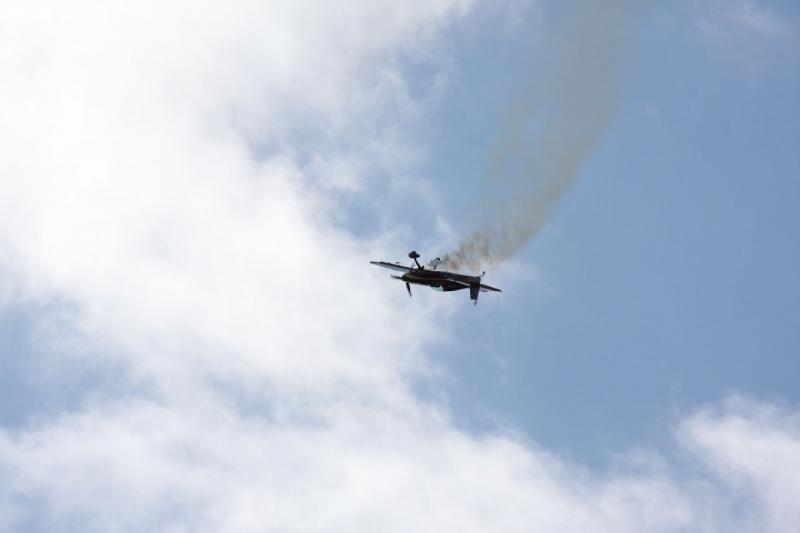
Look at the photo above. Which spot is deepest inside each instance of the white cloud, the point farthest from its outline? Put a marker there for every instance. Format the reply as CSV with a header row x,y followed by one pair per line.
x,y
165,183
131,186
208,468
754,448
725,19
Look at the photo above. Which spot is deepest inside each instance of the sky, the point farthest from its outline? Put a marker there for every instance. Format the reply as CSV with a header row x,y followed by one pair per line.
x,y
192,338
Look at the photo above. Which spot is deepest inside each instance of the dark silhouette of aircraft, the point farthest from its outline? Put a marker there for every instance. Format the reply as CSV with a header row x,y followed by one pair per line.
x,y
437,279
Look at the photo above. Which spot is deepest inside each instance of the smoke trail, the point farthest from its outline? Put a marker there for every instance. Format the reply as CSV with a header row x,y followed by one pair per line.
x,y
547,136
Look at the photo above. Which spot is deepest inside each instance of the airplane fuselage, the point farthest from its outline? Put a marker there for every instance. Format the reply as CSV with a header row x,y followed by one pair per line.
x,y
439,279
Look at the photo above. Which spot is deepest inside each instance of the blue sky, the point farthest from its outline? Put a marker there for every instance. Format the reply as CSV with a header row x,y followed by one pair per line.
x,y
191,337
668,276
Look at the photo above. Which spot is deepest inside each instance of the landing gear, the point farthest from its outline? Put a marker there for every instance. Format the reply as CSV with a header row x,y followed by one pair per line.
x,y
414,255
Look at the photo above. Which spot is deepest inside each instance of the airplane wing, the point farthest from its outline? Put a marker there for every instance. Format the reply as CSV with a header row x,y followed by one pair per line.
x,y
392,266
483,287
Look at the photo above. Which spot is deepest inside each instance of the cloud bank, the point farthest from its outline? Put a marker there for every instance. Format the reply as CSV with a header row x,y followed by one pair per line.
x,y
167,215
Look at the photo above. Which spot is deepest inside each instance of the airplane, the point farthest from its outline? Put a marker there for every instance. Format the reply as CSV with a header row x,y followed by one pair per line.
x,y
437,279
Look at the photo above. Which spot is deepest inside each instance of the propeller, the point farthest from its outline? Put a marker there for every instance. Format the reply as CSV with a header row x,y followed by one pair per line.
x,y
408,285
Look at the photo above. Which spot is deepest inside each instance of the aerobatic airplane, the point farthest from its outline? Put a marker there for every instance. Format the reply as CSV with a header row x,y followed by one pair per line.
x,y
437,279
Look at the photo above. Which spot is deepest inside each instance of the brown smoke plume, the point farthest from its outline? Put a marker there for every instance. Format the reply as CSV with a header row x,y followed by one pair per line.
x,y
548,134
